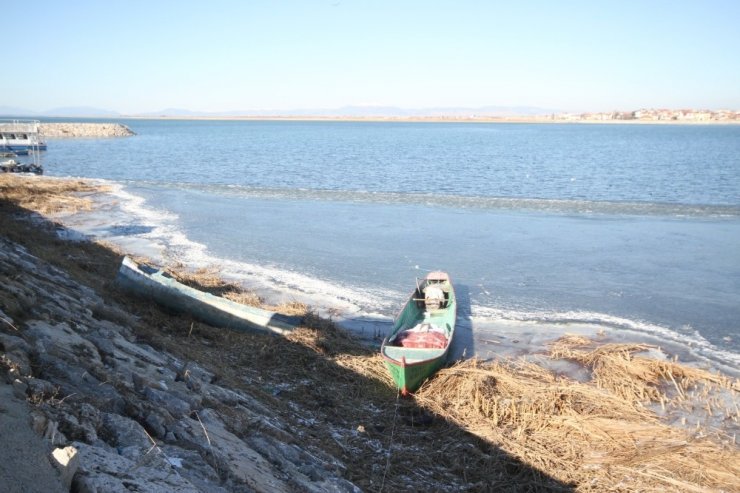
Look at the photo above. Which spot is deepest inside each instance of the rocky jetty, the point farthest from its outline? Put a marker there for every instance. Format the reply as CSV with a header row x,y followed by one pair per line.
x,y
123,416
90,130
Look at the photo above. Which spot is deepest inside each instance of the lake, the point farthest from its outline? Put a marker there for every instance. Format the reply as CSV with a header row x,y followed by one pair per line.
x,y
630,229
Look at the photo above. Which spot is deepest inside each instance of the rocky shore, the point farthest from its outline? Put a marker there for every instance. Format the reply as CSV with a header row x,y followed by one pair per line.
x,y
120,395
134,398
132,416
89,130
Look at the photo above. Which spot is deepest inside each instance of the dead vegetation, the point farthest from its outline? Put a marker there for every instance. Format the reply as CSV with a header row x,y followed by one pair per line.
x,y
476,426
597,435
619,369
46,195
210,280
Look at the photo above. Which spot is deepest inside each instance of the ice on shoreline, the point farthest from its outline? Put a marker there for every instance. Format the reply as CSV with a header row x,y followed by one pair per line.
x,y
127,221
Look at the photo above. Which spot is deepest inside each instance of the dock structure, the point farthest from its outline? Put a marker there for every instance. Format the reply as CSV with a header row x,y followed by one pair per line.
x,y
20,136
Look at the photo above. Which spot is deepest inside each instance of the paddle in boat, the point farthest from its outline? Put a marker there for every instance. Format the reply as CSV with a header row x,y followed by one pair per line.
x,y
420,339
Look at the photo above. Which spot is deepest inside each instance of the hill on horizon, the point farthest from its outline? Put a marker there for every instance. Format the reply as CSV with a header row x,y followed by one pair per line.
x,y
344,111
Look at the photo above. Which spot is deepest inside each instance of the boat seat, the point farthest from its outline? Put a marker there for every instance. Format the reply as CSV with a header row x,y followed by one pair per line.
x,y
412,355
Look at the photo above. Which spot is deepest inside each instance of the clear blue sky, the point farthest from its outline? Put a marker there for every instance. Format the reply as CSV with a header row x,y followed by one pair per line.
x,y
138,56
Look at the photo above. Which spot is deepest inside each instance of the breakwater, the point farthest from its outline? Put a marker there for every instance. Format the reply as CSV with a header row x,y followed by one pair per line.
x,y
75,130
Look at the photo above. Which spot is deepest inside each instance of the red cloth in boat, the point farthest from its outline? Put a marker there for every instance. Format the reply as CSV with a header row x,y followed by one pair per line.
x,y
432,339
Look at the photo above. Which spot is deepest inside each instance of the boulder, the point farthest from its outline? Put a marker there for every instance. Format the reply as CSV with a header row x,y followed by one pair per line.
x,y
105,471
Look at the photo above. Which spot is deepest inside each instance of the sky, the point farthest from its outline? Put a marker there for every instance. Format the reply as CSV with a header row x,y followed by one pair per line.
x,y
137,56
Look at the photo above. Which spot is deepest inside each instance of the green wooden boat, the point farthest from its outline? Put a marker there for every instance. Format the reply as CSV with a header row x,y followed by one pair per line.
x,y
420,339
156,284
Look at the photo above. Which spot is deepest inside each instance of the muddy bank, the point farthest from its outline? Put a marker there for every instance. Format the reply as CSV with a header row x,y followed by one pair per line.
x,y
153,400
91,130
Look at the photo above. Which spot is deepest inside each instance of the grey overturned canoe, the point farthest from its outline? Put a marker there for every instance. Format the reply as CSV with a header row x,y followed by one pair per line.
x,y
154,283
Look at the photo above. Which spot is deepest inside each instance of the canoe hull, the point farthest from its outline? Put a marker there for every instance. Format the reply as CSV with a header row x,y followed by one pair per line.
x,y
155,284
411,360
409,377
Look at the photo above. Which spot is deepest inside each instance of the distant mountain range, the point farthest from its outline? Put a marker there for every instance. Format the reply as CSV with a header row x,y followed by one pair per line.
x,y
82,111
345,111
518,113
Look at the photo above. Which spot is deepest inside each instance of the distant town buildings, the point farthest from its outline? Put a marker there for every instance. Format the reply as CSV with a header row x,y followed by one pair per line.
x,y
652,115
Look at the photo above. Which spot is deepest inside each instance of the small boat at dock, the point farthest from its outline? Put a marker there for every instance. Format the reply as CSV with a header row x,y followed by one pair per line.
x,y
153,283
20,136
419,342
13,166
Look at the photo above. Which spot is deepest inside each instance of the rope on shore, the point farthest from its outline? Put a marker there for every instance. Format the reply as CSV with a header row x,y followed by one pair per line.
x,y
390,444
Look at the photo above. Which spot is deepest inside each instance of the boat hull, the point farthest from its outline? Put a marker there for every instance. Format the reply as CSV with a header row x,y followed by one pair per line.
x,y
409,377
412,351
154,284
23,149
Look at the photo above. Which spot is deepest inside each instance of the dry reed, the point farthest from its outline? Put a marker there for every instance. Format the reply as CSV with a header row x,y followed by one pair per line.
x,y
617,368
594,435
46,195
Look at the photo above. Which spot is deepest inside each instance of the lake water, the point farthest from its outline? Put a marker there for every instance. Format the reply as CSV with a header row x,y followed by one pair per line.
x,y
629,229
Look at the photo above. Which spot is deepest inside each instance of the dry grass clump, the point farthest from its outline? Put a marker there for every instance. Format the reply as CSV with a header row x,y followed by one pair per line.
x,y
322,336
209,280
583,434
294,308
616,367
244,297
370,366
46,195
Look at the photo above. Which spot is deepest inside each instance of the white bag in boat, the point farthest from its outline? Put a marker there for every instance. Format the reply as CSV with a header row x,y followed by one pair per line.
x,y
434,297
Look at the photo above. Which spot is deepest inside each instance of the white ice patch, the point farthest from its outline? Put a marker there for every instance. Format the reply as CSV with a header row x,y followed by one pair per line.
x,y
689,345
174,461
128,222
125,219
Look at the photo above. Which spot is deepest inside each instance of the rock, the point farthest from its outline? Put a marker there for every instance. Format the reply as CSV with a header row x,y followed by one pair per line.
x,y
106,349
242,463
96,387
14,354
104,312
119,431
76,130
24,455
11,343
307,471
80,422
19,388
38,421
215,394
194,467
130,352
174,405
53,435
66,461
140,382
40,390
196,371
78,382
62,341
104,471
156,423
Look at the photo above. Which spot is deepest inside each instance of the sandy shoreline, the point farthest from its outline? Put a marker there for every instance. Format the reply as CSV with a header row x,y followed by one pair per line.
x,y
473,428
